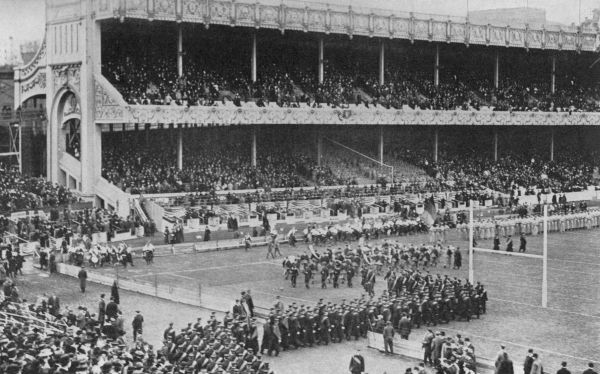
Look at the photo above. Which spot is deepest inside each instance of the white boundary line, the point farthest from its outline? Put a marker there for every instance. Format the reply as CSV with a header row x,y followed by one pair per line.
x,y
548,308
209,268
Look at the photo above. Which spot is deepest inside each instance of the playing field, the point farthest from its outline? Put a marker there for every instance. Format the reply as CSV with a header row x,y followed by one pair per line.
x,y
569,329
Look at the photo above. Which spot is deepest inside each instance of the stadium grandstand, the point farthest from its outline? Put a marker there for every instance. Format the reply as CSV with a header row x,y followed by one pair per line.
x,y
366,142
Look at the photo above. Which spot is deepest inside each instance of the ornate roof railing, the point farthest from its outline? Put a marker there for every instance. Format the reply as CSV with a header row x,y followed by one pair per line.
x,y
322,18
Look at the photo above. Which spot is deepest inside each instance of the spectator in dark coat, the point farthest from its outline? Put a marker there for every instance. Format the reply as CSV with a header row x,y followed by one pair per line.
x,y
563,366
528,362
506,365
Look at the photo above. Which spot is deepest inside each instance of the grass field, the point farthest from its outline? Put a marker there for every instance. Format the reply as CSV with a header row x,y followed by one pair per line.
x,y
569,329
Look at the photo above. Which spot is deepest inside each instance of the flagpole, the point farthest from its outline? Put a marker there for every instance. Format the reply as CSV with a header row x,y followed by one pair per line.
x,y
545,260
471,275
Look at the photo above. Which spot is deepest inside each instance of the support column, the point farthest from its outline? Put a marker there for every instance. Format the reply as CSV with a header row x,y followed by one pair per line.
x,y
436,68
319,149
253,151
253,61
552,145
435,145
382,62
553,76
497,70
495,145
179,50
147,131
180,148
381,144
321,60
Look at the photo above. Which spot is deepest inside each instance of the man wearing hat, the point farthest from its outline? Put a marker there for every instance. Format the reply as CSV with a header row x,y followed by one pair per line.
x,y
388,338
136,324
357,363
82,275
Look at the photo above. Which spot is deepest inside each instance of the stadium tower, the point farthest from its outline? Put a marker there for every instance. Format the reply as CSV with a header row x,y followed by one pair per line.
x,y
82,103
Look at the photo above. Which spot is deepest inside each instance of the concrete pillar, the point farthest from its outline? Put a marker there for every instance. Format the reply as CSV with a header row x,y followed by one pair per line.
x,y
253,61
497,70
382,62
180,50
319,149
495,145
180,148
436,68
381,144
90,133
321,60
553,76
253,150
552,145
435,145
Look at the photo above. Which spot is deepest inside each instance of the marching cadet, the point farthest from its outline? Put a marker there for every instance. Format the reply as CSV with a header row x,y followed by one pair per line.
x,y
294,275
324,329
349,275
307,276
336,276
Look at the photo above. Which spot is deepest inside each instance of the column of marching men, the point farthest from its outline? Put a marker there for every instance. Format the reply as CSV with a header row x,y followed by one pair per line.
x,y
412,297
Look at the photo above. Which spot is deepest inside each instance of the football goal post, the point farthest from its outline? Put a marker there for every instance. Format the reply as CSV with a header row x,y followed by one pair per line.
x,y
543,257
382,167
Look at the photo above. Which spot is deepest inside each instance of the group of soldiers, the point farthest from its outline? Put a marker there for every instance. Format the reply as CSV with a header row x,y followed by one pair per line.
x,y
230,346
412,299
98,255
342,265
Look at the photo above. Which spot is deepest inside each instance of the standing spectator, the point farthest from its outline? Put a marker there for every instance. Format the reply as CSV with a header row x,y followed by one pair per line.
x,y
404,326
427,339
528,362
112,309
499,357
53,305
388,338
536,367
82,279
101,310
506,365
563,366
436,347
590,369
357,363
457,259
136,324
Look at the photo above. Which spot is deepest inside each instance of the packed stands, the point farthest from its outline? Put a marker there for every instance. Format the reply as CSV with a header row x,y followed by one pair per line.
x,y
19,192
216,72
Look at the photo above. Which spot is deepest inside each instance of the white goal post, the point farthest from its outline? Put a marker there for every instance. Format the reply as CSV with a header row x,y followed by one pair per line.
x,y
365,156
543,257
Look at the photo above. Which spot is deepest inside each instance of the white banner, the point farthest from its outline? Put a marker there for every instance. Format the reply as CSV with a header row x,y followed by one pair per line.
x,y
99,237
214,222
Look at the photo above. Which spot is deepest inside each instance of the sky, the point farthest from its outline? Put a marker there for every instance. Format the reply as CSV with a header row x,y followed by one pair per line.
x,y
24,19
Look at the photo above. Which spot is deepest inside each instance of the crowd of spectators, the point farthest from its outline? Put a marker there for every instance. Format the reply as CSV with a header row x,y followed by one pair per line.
x,y
19,192
43,337
148,77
